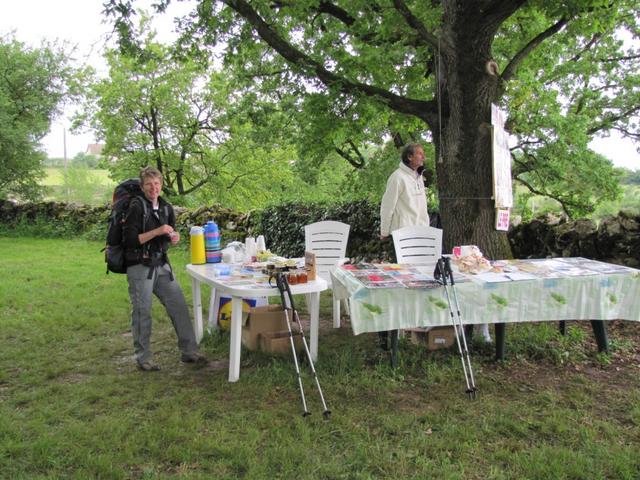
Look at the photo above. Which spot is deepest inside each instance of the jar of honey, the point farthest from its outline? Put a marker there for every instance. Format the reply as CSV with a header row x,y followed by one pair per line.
x,y
302,276
292,277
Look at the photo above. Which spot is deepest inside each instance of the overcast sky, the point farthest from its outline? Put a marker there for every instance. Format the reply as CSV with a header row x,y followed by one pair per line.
x,y
79,22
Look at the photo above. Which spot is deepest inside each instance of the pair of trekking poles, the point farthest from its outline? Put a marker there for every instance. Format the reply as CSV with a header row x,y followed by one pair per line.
x,y
287,304
444,274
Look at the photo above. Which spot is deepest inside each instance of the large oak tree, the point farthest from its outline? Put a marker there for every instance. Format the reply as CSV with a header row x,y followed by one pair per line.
x,y
560,68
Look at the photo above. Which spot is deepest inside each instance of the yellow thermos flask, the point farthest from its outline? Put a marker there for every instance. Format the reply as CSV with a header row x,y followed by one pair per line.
x,y
197,246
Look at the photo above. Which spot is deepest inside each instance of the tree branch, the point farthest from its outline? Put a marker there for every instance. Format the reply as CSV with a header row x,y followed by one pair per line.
x,y
235,180
627,133
416,24
419,108
619,59
196,186
519,57
564,203
358,162
608,121
587,47
336,12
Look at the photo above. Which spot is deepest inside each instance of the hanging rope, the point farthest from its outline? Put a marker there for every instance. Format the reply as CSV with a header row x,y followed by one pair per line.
x,y
439,94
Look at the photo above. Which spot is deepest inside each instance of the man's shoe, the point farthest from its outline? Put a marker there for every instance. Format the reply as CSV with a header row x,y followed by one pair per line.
x,y
195,357
148,366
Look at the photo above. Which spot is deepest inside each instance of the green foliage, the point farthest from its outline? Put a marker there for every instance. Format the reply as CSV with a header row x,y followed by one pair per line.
x,y
586,74
575,84
283,225
33,83
161,108
326,88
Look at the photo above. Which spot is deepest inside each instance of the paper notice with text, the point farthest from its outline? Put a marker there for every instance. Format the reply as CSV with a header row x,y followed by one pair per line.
x,y
502,189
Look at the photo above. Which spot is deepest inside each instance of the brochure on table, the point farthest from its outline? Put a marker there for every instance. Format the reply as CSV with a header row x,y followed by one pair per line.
x,y
422,277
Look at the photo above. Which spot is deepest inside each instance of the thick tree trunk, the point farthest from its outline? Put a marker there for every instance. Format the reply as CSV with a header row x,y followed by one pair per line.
x,y
463,137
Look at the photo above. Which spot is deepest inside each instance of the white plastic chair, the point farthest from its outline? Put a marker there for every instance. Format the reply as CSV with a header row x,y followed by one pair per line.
x,y
420,245
328,240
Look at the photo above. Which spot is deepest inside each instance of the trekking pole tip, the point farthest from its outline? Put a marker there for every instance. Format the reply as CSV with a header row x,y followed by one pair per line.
x,y
306,413
326,414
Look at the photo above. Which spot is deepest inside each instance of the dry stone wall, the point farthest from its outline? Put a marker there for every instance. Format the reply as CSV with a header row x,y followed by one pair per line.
x,y
614,239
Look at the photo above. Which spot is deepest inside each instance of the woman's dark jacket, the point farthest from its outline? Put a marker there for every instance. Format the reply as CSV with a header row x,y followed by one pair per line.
x,y
155,250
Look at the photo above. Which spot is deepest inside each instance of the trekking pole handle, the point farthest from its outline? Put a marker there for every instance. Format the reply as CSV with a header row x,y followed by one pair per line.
x,y
449,270
288,288
279,278
441,269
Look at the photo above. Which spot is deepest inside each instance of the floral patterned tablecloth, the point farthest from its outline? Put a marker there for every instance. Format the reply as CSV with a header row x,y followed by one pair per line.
x,y
387,296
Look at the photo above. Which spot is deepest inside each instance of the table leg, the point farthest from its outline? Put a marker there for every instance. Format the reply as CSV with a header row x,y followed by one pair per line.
x,y
600,331
562,327
500,334
235,342
214,303
313,304
336,310
197,309
394,348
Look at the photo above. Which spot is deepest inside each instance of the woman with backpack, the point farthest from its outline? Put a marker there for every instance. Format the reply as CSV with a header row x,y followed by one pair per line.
x,y
149,229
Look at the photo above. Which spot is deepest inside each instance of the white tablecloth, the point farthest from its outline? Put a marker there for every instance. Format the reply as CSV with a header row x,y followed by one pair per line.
x,y
585,290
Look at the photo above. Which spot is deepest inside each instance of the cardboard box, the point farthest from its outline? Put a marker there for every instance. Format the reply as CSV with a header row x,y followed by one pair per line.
x,y
279,343
433,338
269,318
223,313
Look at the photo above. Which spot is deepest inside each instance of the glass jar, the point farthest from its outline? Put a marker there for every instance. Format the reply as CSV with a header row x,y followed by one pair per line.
x,y
302,276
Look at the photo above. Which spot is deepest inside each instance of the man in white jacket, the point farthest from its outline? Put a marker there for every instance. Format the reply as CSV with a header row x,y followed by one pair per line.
x,y
404,203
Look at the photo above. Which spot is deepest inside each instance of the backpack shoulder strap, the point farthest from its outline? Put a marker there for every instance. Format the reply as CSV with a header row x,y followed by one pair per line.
x,y
145,210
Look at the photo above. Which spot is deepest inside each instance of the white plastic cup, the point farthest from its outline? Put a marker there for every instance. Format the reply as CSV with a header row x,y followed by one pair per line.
x,y
250,248
260,245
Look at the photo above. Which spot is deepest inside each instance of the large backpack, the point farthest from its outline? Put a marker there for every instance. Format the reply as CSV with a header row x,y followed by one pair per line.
x,y
123,194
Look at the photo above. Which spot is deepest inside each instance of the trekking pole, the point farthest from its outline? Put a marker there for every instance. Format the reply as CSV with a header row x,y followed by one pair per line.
x,y
280,283
447,265
458,330
326,413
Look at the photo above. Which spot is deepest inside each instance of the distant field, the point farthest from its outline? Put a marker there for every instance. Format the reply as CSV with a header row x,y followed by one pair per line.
x,y
629,201
55,176
91,186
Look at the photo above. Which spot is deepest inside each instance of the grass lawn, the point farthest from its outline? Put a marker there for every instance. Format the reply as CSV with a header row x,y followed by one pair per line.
x,y
73,405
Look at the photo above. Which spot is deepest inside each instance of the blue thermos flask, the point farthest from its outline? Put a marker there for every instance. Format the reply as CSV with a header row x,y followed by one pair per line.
x,y
212,242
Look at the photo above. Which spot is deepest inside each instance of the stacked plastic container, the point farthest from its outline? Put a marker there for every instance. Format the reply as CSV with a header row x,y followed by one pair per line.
x,y
212,242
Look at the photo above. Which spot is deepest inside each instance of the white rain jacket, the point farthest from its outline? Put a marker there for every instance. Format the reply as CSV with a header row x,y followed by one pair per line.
x,y
404,203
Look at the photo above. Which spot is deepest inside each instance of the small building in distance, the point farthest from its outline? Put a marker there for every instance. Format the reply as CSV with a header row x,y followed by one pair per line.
x,y
95,149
